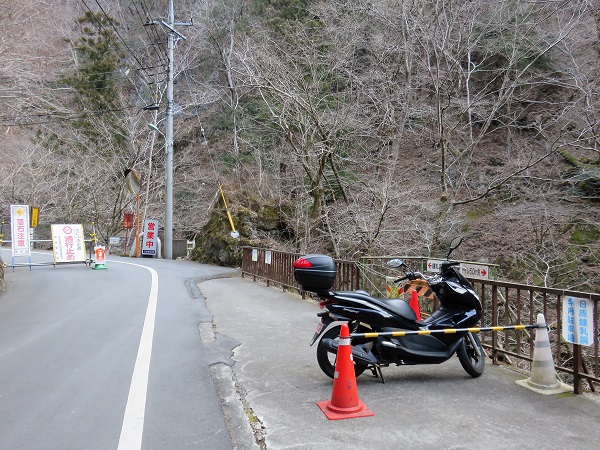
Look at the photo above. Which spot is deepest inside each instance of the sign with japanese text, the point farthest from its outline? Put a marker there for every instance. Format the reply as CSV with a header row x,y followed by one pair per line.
x,y
475,271
467,270
19,230
577,321
268,257
150,238
68,243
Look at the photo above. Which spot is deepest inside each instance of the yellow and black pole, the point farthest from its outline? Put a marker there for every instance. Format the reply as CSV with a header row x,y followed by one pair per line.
x,y
401,333
99,251
234,233
94,240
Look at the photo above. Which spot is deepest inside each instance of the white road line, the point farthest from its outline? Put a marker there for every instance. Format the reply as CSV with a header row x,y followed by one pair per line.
x,y
133,420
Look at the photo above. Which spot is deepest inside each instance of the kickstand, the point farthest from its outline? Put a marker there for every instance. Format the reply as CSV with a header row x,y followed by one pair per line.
x,y
381,375
376,371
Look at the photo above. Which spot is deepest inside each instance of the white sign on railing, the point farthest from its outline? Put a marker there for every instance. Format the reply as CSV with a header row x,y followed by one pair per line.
x,y
466,269
19,230
577,320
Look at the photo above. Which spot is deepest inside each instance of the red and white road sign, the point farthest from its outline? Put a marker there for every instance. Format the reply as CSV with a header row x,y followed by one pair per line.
x,y
150,238
68,243
19,230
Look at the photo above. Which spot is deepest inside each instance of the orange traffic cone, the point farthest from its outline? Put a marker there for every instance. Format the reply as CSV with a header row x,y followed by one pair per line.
x,y
414,303
344,403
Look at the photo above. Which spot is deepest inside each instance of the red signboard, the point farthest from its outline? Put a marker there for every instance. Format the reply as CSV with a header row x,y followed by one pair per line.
x,y
150,238
128,221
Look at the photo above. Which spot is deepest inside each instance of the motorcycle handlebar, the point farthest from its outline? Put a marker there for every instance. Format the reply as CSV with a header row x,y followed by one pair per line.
x,y
451,263
410,276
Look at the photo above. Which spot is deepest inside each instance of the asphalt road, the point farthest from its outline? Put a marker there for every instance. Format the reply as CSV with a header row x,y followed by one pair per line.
x,y
104,359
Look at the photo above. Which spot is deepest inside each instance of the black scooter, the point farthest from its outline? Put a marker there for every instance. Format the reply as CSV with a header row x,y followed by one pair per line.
x,y
460,307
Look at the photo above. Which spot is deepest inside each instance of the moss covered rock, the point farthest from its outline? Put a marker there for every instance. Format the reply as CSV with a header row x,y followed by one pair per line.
x,y
214,243
259,224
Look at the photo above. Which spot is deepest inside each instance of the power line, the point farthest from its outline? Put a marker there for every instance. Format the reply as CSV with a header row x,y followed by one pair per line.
x,y
102,27
112,24
162,58
60,116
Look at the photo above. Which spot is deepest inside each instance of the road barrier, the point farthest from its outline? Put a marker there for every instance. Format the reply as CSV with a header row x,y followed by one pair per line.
x,y
543,377
401,333
49,243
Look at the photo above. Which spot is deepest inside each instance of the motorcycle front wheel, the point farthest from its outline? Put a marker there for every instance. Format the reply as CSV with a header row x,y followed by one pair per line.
x,y
468,358
326,359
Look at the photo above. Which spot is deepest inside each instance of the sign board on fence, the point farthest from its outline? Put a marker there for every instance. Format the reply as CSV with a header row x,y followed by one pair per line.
x,y
577,321
19,230
480,271
68,243
150,238
268,257
475,271
254,254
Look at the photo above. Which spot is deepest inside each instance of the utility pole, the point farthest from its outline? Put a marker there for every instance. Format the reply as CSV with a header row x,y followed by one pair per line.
x,y
170,27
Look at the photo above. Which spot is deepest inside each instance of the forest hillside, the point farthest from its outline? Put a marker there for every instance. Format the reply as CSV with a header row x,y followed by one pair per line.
x,y
382,127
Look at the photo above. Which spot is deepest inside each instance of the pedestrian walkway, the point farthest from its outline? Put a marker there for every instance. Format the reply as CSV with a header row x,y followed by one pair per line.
x,y
419,407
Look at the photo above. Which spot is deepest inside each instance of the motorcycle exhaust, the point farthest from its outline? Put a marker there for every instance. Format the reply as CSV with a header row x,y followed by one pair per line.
x,y
360,353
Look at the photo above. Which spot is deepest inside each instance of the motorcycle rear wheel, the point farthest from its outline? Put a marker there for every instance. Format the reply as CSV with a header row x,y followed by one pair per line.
x,y
326,359
468,358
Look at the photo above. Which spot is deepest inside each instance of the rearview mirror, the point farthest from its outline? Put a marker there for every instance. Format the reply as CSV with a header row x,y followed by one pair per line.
x,y
454,243
395,263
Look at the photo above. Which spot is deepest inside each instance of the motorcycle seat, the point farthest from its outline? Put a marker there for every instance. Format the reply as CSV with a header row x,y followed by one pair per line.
x,y
394,305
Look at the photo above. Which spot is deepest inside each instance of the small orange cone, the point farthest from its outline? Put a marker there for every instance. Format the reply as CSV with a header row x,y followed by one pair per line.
x,y
344,403
414,303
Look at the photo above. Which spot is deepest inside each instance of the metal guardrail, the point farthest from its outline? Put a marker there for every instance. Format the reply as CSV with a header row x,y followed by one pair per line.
x,y
277,267
30,264
504,304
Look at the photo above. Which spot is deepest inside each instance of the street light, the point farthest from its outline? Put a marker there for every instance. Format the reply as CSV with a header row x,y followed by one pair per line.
x,y
168,187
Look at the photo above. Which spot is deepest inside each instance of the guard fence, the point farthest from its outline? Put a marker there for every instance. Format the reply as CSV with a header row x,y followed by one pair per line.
x,y
504,304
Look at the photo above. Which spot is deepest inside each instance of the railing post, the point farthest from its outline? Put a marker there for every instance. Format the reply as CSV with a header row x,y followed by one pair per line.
x,y
577,368
494,324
